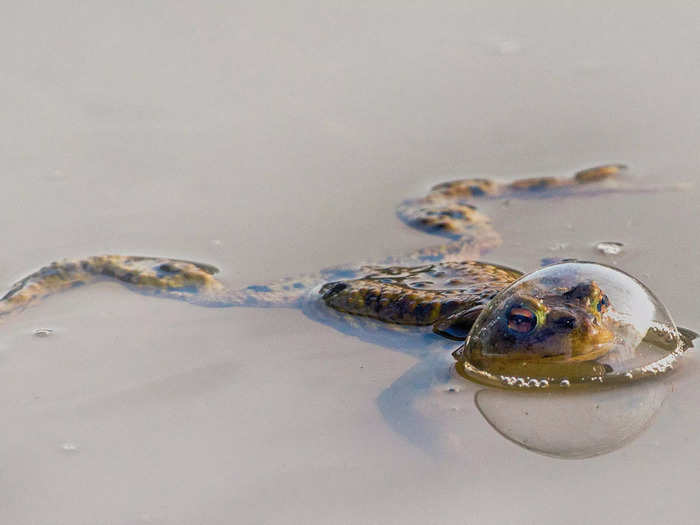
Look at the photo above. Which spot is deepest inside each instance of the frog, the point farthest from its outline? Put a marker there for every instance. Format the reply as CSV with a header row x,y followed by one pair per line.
x,y
443,288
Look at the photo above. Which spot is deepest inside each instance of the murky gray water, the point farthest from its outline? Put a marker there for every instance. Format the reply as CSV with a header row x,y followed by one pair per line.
x,y
273,140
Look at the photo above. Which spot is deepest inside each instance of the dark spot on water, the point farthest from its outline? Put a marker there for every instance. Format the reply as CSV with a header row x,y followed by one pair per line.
x,y
343,274
298,285
259,288
546,261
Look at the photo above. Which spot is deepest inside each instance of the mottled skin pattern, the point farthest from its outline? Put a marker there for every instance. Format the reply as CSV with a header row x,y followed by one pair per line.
x,y
440,286
419,295
449,294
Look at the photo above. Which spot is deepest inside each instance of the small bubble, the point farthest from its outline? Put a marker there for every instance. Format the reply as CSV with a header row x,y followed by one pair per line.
x,y
609,247
533,383
70,447
565,383
452,390
42,332
544,383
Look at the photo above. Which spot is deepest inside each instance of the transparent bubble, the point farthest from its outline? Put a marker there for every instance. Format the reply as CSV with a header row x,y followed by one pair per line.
x,y
574,424
70,447
567,325
42,332
610,247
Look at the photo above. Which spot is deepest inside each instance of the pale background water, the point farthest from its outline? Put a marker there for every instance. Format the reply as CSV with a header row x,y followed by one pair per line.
x,y
275,139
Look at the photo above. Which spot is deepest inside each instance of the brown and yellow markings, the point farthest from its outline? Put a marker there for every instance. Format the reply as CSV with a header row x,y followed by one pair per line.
x,y
418,295
439,285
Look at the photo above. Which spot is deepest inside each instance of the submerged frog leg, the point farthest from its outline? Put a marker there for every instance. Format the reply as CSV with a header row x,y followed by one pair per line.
x,y
419,295
174,278
456,326
448,211
287,292
177,278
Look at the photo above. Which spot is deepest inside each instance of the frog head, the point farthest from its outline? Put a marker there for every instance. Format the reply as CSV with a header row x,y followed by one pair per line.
x,y
556,325
563,325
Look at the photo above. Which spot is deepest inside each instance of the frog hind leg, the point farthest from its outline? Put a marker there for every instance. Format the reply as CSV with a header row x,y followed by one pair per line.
x,y
159,276
195,283
448,209
154,275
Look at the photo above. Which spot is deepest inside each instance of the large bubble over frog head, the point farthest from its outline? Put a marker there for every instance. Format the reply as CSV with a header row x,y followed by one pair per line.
x,y
570,324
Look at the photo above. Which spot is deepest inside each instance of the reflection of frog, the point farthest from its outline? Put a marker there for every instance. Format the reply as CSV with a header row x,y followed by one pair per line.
x,y
442,286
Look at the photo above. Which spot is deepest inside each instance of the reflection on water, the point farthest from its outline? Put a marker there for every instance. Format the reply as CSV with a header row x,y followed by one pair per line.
x,y
573,424
437,410
433,406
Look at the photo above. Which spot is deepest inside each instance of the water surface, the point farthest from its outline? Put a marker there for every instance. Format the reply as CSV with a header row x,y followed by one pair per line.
x,y
275,140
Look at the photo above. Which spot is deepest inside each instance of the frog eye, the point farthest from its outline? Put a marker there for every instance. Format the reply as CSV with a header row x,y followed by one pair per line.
x,y
603,303
521,320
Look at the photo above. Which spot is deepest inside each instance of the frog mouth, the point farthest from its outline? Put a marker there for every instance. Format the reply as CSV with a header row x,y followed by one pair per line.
x,y
580,352
581,362
590,349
